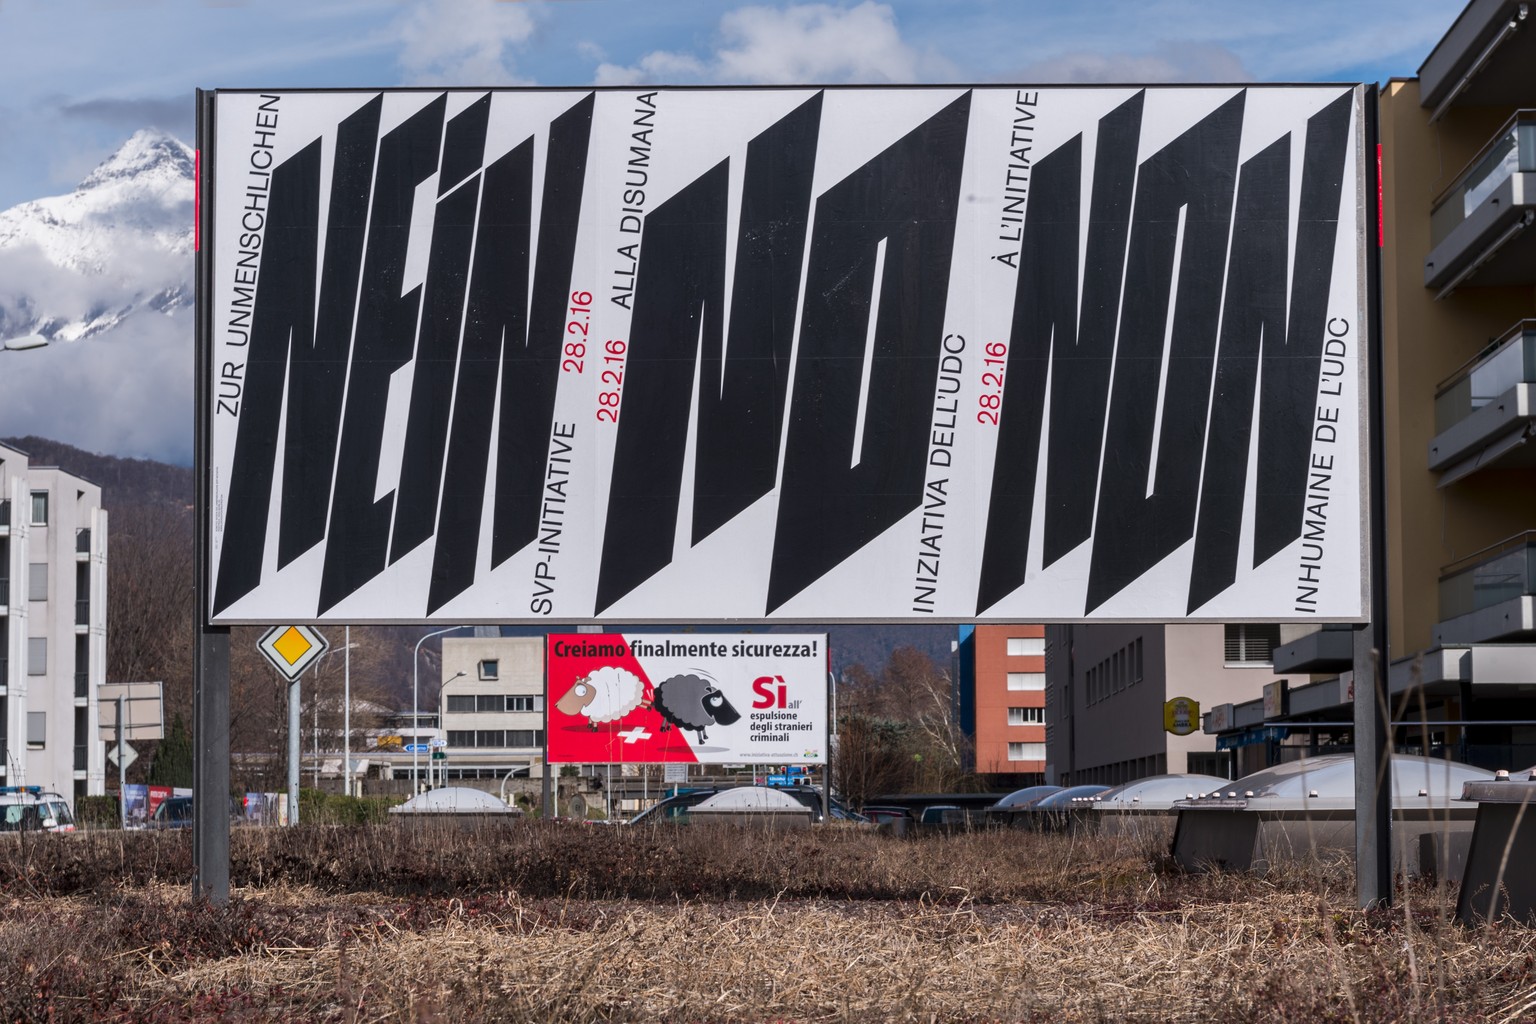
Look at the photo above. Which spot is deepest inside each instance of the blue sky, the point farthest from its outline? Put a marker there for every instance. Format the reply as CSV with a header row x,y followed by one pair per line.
x,y
77,77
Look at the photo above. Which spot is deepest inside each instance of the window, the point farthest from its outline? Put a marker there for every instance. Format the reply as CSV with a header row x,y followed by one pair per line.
x,y
520,704
37,729
37,655
1251,643
460,704
37,581
1026,681
490,668
1136,660
1026,751
1026,645
82,666
490,738
1026,716
39,508
488,703
525,737
460,738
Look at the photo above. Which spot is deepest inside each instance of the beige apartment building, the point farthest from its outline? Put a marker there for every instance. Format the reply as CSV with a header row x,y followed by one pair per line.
x,y
1458,326
493,707
53,611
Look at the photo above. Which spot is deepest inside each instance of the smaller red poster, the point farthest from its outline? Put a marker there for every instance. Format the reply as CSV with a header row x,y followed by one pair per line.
x,y
646,698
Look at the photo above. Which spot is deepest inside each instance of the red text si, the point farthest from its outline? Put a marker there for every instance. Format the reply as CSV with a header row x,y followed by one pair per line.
x,y
769,695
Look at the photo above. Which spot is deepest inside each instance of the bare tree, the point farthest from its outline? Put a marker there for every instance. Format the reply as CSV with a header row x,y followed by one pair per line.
x,y
898,731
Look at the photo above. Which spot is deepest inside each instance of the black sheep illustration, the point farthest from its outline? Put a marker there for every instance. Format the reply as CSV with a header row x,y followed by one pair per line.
x,y
693,702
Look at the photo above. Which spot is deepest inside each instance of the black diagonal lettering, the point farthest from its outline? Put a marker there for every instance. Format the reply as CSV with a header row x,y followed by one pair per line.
x,y
319,371
464,144
907,197
1254,313
679,294
283,317
358,537
531,368
741,406
1189,181
437,354
1080,373
1288,395
498,303
1044,309
437,347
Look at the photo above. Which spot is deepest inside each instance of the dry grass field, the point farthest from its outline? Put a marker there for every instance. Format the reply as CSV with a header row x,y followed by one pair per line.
x,y
545,923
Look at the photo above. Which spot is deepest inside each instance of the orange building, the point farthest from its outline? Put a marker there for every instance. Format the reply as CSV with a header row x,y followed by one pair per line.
x,y
1002,699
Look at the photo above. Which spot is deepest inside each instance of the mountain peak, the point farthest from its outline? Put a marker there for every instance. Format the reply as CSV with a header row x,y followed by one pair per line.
x,y
148,151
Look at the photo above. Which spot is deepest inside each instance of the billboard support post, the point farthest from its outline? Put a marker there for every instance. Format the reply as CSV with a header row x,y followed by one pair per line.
x,y
210,767
1372,703
210,681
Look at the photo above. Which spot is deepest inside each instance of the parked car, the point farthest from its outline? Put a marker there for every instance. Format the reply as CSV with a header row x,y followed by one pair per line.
x,y
885,814
942,814
30,809
675,808
173,812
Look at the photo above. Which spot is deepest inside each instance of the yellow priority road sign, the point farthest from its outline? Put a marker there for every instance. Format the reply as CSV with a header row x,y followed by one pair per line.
x,y
292,649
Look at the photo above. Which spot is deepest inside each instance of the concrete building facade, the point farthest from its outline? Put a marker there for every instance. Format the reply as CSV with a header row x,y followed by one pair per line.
x,y
1107,684
53,609
493,706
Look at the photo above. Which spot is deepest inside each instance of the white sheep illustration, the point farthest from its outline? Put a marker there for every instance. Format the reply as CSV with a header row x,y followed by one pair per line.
x,y
605,695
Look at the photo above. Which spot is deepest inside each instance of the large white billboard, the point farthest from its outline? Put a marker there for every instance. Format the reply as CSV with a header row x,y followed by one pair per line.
x,y
946,354
688,698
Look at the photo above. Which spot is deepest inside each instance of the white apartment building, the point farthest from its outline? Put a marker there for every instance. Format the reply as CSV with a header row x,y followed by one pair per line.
x,y
53,614
493,706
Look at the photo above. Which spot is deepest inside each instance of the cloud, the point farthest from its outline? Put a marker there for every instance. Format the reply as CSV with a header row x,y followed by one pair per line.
x,y
175,115
125,392
1165,62
462,42
794,44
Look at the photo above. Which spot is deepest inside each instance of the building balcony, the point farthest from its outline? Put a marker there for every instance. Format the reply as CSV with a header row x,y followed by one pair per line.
x,y
1488,596
1486,412
1484,60
83,545
1480,228
1330,649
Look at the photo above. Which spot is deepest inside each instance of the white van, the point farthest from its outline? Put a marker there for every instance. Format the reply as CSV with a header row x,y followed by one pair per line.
x,y
29,809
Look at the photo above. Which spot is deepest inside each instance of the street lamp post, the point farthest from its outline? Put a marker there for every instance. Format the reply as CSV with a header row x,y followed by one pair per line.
x,y
416,704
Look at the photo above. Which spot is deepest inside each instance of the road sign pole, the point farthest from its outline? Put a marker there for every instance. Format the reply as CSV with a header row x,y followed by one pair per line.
x,y
293,752
122,770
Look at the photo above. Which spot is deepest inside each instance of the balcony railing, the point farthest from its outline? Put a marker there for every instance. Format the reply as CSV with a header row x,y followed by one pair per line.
x,y
1512,151
82,683
83,611
1498,574
82,757
1509,361
5,591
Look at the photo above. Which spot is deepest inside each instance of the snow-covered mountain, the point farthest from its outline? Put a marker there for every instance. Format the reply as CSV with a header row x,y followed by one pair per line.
x,y
120,244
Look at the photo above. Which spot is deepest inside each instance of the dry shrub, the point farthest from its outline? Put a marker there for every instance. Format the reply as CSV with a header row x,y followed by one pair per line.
x,y
590,924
